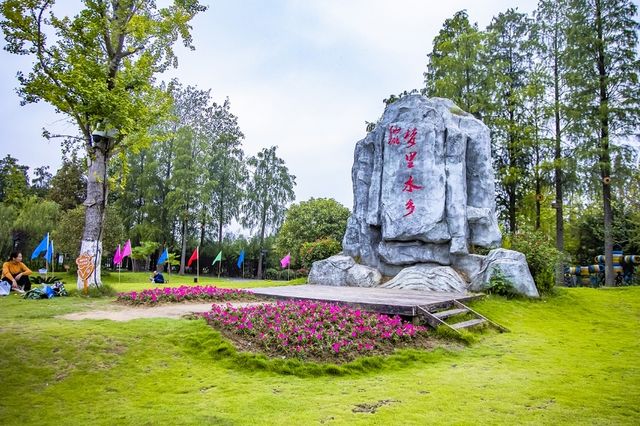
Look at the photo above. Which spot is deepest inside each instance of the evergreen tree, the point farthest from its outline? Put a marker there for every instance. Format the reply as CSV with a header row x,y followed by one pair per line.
x,y
68,185
454,70
41,182
508,55
605,96
552,24
14,181
269,190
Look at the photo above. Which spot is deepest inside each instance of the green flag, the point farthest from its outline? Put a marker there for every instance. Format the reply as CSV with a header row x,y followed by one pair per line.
x,y
218,258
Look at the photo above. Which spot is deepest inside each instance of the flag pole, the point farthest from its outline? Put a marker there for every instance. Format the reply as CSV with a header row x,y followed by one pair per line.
x,y
219,266
46,260
198,264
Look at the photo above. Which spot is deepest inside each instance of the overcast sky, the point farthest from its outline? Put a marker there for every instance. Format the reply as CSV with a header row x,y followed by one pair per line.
x,y
302,75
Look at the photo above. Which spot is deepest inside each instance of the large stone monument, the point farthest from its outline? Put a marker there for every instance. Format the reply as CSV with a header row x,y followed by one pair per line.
x,y
424,197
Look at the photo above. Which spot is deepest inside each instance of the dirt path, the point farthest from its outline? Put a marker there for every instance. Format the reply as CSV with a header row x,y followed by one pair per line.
x,y
127,313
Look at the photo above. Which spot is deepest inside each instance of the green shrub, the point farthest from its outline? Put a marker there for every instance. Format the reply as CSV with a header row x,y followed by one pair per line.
x,y
286,275
302,273
542,256
318,250
44,280
271,274
501,286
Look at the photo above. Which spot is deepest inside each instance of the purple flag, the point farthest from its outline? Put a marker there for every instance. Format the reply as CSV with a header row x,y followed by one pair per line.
x,y
284,262
117,257
126,251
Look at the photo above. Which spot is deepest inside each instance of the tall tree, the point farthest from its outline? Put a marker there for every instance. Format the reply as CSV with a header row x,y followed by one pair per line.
x,y
552,23
227,172
454,70
14,181
604,68
187,138
41,181
69,184
508,55
269,191
99,71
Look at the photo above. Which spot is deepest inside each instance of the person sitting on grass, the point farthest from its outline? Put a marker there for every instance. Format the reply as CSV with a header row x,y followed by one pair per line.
x,y
157,277
16,273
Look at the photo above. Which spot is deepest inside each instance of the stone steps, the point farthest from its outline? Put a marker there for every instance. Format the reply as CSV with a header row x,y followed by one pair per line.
x,y
437,318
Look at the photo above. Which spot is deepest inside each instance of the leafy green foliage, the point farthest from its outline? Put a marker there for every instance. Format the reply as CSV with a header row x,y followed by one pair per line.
x,y
35,218
586,236
268,192
69,185
318,250
141,253
8,214
99,71
508,55
38,279
453,70
67,233
308,222
542,256
41,181
605,95
501,286
14,181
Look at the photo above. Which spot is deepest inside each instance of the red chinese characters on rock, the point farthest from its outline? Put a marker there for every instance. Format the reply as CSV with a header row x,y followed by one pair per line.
x,y
410,157
410,207
410,186
409,137
394,135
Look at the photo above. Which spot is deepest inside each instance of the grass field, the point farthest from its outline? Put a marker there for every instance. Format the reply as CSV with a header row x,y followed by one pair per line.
x,y
573,358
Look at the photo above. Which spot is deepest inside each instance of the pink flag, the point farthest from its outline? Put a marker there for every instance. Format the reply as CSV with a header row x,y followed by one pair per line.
x,y
285,260
126,251
117,257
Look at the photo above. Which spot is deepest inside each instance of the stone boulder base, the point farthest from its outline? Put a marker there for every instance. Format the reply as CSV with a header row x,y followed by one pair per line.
x,y
331,271
363,276
513,267
428,278
341,270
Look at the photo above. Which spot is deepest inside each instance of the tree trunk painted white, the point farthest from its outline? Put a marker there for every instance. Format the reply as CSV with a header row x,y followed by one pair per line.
x,y
91,248
95,204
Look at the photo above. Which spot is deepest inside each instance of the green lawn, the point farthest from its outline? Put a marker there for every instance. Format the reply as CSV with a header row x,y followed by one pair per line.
x,y
570,359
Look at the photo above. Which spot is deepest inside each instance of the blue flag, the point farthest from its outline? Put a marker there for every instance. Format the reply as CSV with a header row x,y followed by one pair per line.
x,y
49,254
44,245
163,257
241,259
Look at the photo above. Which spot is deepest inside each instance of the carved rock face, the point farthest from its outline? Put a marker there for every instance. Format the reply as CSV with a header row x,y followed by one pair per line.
x,y
423,187
424,191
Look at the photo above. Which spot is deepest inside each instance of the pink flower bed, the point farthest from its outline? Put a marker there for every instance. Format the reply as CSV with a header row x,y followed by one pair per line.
x,y
305,328
183,293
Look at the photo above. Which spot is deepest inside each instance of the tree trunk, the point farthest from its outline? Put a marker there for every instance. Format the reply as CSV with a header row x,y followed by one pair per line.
x,y
262,228
605,160
203,225
183,256
95,204
538,184
558,150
